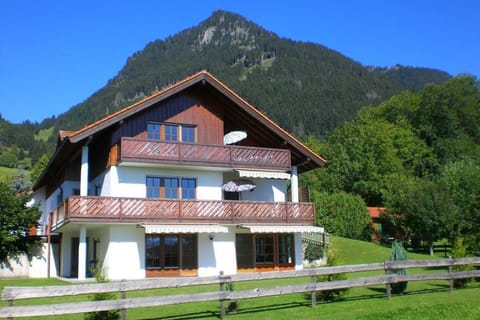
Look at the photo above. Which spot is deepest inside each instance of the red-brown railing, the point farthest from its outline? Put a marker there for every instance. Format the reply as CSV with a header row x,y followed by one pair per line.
x,y
142,150
137,210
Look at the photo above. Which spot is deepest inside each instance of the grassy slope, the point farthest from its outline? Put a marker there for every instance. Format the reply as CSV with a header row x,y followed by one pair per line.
x,y
423,300
7,173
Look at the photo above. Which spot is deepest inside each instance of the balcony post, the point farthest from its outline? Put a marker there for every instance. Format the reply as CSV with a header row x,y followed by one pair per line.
x,y
294,184
82,253
84,172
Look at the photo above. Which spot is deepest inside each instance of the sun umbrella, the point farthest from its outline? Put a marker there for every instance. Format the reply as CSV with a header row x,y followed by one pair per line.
x,y
238,185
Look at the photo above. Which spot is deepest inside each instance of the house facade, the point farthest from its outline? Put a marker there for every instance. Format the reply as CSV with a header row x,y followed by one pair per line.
x,y
191,181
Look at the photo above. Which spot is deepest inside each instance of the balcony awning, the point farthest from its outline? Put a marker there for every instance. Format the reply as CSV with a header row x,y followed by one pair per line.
x,y
184,228
283,229
264,174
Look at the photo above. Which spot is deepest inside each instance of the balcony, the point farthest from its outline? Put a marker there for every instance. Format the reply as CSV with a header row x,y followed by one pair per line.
x,y
142,210
140,150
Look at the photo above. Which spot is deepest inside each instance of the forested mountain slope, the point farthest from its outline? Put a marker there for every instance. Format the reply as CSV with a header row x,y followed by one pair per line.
x,y
305,87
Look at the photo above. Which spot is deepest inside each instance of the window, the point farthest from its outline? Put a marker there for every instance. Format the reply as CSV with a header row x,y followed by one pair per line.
x,y
189,251
188,188
153,131
169,188
244,248
285,248
153,187
163,251
171,132
265,251
188,134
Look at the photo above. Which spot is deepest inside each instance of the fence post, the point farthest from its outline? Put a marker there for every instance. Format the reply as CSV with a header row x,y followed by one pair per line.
x,y
450,269
388,286
222,302
314,293
123,295
10,304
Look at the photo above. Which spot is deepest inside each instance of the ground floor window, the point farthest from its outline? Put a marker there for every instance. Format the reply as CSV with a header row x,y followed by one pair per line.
x,y
174,254
265,251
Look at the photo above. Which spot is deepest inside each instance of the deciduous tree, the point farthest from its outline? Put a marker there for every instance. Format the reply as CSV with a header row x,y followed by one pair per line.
x,y
16,217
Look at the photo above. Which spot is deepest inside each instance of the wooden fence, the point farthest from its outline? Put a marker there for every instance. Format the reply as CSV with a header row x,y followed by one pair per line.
x,y
12,294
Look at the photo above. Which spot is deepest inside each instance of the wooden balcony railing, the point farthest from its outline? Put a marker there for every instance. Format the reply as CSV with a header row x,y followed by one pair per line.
x,y
140,210
140,150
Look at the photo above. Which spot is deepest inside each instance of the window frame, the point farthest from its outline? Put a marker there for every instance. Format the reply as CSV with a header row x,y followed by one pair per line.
x,y
281,257
168,258
171,132
160,187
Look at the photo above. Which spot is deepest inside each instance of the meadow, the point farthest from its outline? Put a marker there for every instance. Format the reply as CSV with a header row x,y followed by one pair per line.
x,y
422,300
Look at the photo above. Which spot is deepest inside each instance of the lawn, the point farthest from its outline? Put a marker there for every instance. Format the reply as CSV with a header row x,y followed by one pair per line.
x,y
423,300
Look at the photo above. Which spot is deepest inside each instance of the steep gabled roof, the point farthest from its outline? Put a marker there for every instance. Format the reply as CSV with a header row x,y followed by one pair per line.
x,y
69,138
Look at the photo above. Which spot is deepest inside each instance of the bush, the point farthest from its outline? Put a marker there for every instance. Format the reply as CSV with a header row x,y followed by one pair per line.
x,y
335,294
459,250
398,254
313,252
102,315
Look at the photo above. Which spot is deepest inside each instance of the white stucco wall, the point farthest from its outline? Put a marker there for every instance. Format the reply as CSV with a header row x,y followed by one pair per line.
x,y
217,255
125,181
272,190
37,267
125,254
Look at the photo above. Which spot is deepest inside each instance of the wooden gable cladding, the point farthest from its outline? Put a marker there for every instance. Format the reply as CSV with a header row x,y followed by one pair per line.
x,y
183,108
209,127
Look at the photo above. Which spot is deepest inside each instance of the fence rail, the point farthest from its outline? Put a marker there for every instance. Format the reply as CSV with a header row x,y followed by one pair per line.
x,y
12,294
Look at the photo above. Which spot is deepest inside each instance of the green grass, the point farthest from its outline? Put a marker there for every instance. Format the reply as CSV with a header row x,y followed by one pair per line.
x,y
423,300
7,173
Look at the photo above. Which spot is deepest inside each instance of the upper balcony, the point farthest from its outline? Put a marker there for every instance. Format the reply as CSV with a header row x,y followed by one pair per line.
x,y
141,150
142,210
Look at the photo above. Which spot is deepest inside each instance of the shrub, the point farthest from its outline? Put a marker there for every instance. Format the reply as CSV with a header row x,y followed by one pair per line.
x,y
102,315
459,250
313,252
398,254
334,294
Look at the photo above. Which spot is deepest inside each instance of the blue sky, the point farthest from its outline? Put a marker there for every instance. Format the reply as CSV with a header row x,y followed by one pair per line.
x,y
55,54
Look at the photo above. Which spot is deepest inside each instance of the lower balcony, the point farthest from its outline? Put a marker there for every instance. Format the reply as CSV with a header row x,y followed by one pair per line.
x,y
141,210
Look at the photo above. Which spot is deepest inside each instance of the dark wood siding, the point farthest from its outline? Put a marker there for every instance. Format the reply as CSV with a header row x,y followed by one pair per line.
x,y
178,109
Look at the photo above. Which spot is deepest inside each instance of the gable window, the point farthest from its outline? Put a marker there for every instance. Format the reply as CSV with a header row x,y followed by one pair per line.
x,y
171,187
188,134
153,131
171,132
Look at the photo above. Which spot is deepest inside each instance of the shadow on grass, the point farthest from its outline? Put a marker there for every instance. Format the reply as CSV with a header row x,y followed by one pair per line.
x,y
209,314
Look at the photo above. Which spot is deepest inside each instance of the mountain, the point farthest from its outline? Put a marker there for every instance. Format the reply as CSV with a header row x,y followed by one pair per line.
x,y
305,87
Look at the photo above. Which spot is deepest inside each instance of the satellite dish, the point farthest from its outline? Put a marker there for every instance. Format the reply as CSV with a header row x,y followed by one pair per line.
x,y
234,137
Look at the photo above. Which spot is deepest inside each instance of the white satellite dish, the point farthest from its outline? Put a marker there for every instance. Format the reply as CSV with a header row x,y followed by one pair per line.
x,y
234,137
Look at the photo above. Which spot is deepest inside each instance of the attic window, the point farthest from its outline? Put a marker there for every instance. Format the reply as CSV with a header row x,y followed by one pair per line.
x,y
172,132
